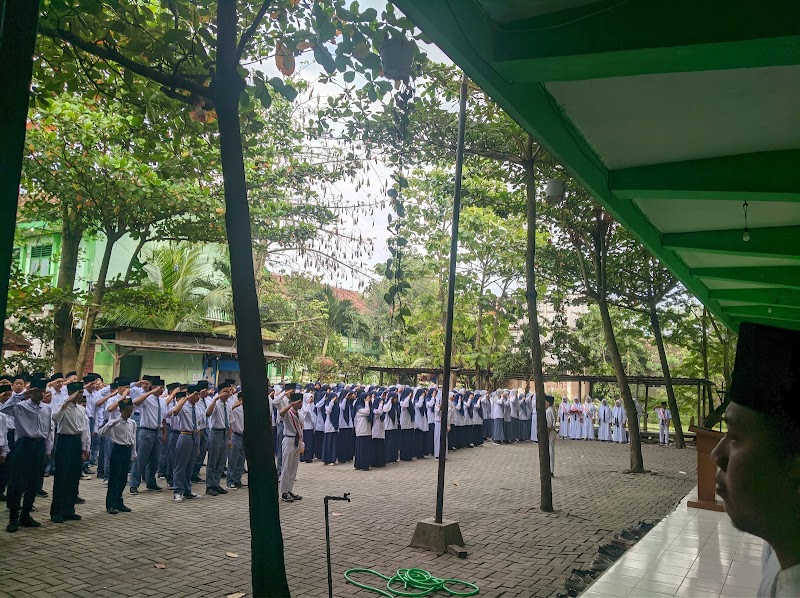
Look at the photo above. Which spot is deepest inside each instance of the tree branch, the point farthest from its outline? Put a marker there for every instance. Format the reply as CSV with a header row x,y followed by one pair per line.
x,y
251,31
112,54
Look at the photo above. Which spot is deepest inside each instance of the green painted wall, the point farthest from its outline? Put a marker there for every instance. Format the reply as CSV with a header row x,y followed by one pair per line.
x,y
170,365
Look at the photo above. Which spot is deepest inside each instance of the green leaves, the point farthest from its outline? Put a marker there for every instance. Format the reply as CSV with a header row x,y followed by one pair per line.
x,y
285,89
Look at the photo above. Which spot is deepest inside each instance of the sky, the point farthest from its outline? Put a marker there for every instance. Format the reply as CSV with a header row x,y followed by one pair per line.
x,y
374,226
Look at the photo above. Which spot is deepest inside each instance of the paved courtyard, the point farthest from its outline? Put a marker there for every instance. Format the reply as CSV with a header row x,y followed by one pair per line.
x,y
514,550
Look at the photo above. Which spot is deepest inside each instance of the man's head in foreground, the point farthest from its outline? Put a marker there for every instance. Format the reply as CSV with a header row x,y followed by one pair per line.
x,y
759,457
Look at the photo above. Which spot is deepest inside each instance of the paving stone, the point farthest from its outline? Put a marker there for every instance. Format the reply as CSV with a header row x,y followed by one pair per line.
x,y
514,550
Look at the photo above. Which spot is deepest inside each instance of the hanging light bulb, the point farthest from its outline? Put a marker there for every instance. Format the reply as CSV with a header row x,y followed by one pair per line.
x,y
746,234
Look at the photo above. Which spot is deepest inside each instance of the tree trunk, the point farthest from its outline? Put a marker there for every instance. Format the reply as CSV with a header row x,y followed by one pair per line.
x,y
637,462
662,354
325,344
268,569
64,348
94,304
17,41
142,240
545,480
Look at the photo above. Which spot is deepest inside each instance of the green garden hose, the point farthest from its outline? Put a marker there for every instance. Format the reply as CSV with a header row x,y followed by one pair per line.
x,y
417,579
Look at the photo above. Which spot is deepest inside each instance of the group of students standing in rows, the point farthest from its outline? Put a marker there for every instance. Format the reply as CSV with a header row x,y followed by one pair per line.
x,y
133,431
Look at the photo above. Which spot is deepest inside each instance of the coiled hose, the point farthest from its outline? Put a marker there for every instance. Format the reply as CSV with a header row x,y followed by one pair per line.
x,y
416,579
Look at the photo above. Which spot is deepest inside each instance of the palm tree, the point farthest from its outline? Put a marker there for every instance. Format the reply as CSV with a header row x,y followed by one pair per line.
x,y
343,318
178,294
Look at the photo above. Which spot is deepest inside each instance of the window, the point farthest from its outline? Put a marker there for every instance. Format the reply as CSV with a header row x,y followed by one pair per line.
x,y
40,260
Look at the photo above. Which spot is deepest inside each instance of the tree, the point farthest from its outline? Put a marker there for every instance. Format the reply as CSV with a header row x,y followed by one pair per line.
x,y
342,318
173,48
178,293
641,283
499,145
591,236
101,172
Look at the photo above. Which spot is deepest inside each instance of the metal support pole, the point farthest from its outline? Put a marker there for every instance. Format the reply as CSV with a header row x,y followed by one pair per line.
x,y
451,288
328,537
646,413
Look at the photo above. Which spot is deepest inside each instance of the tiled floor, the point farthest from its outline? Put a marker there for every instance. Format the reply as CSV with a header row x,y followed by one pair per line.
x,y
691,553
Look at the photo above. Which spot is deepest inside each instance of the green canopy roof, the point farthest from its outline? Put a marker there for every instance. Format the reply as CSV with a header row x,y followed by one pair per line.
x,y
672,114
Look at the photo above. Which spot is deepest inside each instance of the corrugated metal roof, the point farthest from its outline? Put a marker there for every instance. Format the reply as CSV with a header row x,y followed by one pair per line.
x,y
190,348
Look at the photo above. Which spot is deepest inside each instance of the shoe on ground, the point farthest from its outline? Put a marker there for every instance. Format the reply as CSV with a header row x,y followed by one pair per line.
x,y
239,486
80,501
41,494
170,486
88,471
232,487
628,537
134,490
105,482
12,526
287,497
47,474
295,496
599,566
72,517
611,552
56,519
86,476
212,492
155,488
573,582
29,522
220,490
191,495
197,479
112,511
177,498
124,509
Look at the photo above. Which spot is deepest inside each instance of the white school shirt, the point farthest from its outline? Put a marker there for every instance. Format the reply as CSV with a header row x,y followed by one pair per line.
x,y
513,403
217,418
3,434
307,414
457,417
430,405
664,415
345,404
319,423
497,406
200,408
329,427
121,431
421,417
58,397
777,582
363,427
237,419
152,412
378,426
476,417
550,416
387,422
73,421
291,424
405,416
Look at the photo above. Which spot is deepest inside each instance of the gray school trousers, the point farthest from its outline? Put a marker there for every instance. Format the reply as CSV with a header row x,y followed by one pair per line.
x,y
291,457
